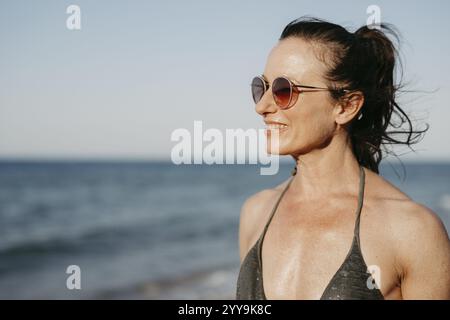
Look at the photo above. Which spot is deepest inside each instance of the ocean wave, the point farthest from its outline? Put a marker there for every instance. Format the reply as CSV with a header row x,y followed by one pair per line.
x,y
202,284
117,237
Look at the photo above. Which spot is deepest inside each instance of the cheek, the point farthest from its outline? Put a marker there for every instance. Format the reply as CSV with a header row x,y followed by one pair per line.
x,y
310,126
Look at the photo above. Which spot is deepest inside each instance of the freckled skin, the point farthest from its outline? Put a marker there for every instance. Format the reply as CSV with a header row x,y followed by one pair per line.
x,y
312,229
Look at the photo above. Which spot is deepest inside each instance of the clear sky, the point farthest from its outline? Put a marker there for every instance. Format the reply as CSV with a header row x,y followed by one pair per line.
x,y
137,70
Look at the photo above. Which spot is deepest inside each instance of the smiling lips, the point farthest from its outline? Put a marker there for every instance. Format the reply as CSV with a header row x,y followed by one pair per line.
x,y
271,126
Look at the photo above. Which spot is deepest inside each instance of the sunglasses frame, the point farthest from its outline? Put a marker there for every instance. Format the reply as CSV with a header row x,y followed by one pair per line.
x,y
293,89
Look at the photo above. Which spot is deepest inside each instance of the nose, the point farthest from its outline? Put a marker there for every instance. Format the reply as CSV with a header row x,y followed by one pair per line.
x,y
266,104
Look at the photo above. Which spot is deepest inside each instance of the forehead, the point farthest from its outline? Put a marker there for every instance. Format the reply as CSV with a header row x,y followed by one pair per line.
x,y
296,59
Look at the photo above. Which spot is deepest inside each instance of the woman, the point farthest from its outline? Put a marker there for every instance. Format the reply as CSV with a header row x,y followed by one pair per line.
x,y
336,229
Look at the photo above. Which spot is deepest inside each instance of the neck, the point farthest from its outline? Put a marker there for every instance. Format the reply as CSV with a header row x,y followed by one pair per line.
x,y
332,169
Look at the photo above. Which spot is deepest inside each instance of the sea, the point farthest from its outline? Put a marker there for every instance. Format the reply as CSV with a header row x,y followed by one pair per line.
x,y
144,230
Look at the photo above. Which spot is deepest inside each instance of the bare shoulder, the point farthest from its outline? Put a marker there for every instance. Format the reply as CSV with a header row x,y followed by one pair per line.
x,y
420,246
254,214
412,228
396,207
419,230
414,221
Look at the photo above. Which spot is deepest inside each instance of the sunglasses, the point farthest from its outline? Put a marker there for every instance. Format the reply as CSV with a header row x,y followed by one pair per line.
x,y
284,92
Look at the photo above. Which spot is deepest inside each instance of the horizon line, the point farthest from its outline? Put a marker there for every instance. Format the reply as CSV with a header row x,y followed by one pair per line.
x,y
282,160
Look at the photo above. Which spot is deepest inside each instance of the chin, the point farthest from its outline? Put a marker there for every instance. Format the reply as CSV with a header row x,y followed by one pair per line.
x,y
281,151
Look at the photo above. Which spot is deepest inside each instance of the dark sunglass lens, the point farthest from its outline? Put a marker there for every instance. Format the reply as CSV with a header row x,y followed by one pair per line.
x,y
258,89
282,92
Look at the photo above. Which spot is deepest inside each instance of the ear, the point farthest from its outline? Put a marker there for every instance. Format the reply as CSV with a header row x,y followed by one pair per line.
x,y
349,106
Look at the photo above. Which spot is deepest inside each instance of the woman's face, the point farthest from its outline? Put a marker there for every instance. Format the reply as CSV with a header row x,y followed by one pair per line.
x,y
310,121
